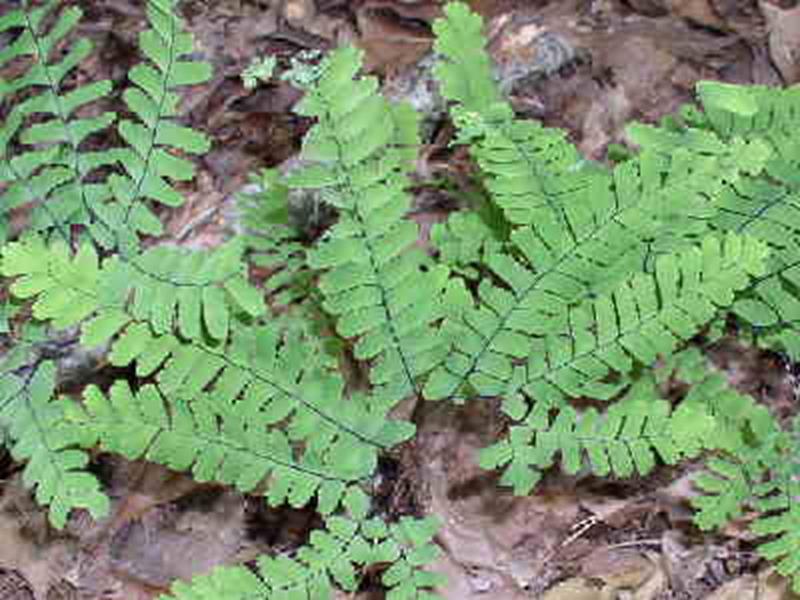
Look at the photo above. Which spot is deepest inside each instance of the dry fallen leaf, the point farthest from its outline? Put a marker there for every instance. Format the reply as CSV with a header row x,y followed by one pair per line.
x,y
783,26
698,11
767,586
395,35
13,586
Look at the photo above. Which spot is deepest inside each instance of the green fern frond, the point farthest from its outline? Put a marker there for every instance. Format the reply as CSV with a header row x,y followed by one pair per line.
x,y
567,353
204,288
745,111
281,380
55,467
761,140
740,422
336,557
780,509
264,403
767,210
528,166
465,75
756,466
64,286
230,583
648,316
52,169
235,447
582,213
727,490
740,427
25,352
733,99
185,437
601,239
581,230
381,290
48,164
571,280
465,240
149,159
209,282
273,240
764,477
623,440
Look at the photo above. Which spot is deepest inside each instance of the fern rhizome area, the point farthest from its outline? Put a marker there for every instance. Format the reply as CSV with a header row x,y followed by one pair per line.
x,y
591,282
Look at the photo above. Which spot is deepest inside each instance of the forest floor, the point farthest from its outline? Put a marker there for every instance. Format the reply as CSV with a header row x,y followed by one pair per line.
x,y
606,62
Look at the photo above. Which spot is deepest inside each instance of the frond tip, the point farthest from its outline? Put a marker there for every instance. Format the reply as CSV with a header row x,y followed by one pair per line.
x,y
56,466
336,557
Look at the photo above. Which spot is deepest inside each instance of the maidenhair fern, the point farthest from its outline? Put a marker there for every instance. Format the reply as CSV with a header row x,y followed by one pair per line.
x,y
44,161
379,289
573,280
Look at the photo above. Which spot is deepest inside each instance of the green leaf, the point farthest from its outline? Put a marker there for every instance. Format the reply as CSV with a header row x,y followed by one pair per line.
x,y
732,98
189,73
184,138
103,327
246,296
356,502
755,312
215,314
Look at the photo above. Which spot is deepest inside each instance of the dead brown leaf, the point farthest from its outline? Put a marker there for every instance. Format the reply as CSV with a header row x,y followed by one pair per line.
x,y
784,39
698,11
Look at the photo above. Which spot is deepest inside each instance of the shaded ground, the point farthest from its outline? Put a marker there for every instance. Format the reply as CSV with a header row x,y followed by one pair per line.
x,y
586,66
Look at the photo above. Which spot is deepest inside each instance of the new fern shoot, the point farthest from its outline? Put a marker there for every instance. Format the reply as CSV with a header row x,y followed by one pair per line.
x,y
595,281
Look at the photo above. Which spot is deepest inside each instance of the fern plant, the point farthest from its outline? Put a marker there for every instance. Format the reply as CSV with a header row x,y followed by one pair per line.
x,y
572,283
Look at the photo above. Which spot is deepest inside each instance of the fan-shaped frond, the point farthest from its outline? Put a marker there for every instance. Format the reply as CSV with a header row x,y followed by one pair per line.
x,y
538,178
616,229
580,230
